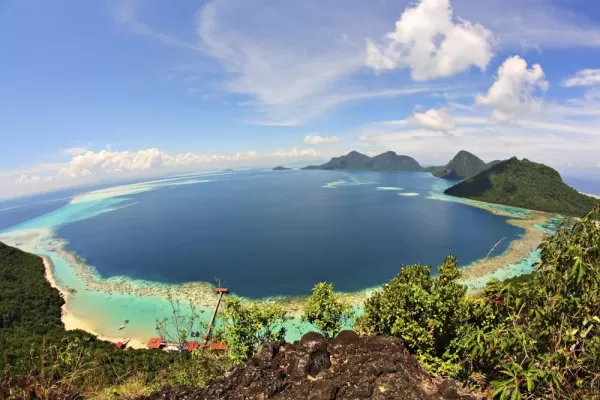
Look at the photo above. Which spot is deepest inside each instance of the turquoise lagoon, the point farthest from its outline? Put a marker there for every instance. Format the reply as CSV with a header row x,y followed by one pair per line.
x,y
121,249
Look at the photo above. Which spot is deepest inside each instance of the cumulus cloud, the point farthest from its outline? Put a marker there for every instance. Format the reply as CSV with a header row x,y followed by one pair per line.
x,y
429,42
296,153
316,139
106,161
512,94
586,77
437,119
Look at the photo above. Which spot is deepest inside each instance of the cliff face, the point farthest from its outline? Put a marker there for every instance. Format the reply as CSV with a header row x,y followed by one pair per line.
x,y
347,367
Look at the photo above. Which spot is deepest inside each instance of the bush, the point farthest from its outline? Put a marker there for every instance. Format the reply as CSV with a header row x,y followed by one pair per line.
x,y
249,325
422,310
325,311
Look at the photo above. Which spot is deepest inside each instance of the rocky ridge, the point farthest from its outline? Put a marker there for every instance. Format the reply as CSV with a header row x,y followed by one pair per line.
x,y
347,367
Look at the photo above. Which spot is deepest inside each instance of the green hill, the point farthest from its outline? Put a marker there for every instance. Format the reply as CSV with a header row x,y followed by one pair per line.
x,y
524,184
388,161
464,165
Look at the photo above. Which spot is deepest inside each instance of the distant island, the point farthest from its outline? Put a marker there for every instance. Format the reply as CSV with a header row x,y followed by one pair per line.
x,y
526,184
228,170
388,161
280,168
464,165
510,182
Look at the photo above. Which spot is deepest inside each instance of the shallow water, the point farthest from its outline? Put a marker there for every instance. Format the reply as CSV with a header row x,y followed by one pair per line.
x,y
263,233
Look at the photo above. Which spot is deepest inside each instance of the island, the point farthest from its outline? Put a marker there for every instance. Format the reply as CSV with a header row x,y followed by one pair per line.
x,y
525,184
280,168
355,161
464,165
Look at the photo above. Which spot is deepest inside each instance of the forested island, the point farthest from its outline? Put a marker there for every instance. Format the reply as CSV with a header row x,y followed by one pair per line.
x,y
510,182
526,184
280,168
355,161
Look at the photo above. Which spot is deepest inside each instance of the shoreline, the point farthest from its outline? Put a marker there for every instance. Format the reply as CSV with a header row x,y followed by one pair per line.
x,y
43,240
70,321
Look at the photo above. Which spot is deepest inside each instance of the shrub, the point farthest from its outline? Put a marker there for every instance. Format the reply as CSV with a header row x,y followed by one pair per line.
x,y
325,311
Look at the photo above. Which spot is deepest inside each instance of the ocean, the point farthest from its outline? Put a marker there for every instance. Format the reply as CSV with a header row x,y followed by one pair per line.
x,y
260,233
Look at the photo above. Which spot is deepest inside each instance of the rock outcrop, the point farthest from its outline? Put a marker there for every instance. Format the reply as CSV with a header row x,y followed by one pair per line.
x,y
347,367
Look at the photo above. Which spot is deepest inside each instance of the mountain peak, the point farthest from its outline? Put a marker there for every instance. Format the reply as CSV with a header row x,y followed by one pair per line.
x,y
388,161
463,165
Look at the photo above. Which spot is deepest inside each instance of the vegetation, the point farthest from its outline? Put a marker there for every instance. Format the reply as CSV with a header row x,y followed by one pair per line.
x,y
250,325
524,184
463,165
424,311
38,356
534,338
325,311
388,161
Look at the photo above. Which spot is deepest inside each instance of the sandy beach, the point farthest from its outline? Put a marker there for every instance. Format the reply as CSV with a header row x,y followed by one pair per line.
x,y
71,322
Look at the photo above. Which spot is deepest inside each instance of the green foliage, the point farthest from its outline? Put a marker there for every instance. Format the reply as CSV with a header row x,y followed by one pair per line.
x,y
524,184
38,356
326,311
249,325
422,310
532,338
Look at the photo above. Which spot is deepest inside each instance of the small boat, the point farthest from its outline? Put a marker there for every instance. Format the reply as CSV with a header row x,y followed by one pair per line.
x,y
122,327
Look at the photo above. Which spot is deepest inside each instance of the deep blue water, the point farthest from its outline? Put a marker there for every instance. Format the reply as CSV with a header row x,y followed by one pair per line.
x,y
278,233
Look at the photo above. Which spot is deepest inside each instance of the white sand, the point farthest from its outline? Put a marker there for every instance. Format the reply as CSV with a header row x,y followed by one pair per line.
x,y
71,322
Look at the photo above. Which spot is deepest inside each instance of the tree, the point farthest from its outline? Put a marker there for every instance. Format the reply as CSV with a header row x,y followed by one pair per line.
x,y
422,310
325,311
249,325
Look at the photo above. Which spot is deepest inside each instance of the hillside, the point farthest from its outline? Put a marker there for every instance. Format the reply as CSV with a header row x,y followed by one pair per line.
x,y
33,340
464,165
524,184
388,161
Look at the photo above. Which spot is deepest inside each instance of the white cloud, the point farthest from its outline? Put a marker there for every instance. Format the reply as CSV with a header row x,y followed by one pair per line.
x,y
292,74
296,153
74,151
586,77
437,119
429,42
511,95
107,161
316,139
27,179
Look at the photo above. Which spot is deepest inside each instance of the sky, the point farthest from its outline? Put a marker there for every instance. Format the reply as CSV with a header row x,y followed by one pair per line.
x,y
109,89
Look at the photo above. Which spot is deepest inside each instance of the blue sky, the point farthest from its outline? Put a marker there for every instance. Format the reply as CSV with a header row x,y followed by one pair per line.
x,y
94,89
